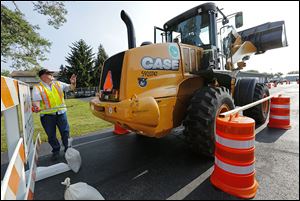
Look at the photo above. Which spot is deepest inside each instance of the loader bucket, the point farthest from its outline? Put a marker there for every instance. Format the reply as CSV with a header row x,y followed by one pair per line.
x,y
267,36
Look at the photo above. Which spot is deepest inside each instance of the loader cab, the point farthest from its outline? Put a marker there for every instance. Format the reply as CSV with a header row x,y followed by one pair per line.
x,y
196,26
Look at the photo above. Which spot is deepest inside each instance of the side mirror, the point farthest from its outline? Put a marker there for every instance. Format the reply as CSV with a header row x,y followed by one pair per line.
x,y
239,20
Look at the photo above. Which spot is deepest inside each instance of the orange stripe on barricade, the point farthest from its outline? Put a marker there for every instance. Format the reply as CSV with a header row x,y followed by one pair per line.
x,y
6,97
14,180
234,171
22,153
30,195
16,86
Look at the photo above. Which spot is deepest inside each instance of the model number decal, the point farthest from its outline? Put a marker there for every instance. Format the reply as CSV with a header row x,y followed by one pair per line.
x,y
149,73
149,63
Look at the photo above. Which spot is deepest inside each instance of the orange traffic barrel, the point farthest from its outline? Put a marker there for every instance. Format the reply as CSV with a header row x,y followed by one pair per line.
x,y
234,171
280,113
119,130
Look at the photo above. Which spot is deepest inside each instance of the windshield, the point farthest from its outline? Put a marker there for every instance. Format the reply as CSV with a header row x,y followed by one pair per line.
x,y
193,31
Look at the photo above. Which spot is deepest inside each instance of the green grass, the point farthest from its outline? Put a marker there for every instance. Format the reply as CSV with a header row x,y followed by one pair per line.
x,y
81,121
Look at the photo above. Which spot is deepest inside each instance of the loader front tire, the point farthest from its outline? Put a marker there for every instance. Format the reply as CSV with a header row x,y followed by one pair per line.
x,y
206,104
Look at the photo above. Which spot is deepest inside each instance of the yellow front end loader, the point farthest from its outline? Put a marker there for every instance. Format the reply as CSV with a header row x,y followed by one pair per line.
x,y
188,78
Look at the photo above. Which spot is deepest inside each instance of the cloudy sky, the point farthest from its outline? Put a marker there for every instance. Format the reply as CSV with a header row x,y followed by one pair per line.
x,y
100,22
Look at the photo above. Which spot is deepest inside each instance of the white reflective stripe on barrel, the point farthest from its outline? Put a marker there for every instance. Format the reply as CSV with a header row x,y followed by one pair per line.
x,y
280,117
237,144
280,106
234,169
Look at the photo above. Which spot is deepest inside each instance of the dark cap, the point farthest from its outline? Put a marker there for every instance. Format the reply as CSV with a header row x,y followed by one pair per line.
x,y
45,71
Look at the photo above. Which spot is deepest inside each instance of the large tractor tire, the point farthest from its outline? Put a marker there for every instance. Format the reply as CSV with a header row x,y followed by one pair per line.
x,y
259,112
206,104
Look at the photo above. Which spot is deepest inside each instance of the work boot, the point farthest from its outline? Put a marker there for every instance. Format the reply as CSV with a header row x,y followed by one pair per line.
x,y
55,156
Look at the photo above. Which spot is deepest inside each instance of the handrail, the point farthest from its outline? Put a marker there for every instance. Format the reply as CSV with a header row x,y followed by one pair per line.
x,y
236,110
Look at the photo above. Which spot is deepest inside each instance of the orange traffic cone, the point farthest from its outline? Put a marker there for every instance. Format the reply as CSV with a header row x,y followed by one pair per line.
x,y
234,171
280,113
108,84
119,130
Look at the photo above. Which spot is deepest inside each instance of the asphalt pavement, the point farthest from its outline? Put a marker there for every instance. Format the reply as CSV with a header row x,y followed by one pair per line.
x,y
131,167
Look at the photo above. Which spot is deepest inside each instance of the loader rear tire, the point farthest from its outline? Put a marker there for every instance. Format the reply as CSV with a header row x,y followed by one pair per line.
x,y
206,104
259,112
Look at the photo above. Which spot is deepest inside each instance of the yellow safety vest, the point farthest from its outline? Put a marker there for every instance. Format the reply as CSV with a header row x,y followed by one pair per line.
x,y
51,98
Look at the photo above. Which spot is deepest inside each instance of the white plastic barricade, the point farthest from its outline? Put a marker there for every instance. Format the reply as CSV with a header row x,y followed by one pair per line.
x,y
22,171
26,113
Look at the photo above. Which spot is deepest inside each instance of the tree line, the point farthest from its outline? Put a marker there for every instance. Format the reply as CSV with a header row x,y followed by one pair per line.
x,y
81,62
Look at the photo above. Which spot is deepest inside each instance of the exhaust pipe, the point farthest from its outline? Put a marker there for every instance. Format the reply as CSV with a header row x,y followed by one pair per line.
x,y
130,29
266,36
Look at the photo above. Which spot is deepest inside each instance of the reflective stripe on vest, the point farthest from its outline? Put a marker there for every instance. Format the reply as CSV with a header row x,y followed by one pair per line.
x,y
60,91
54,97
237,144
280,117
280,106
45,98
234,169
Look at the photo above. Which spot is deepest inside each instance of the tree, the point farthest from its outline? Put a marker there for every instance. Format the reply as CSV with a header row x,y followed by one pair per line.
x,y
99,61
63,74
5,73
81,63
20,41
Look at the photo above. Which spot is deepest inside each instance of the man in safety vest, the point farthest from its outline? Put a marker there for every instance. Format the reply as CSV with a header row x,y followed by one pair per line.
x,y
48,99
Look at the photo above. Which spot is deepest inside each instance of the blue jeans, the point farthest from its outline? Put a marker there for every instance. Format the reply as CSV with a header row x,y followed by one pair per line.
x,y
49,123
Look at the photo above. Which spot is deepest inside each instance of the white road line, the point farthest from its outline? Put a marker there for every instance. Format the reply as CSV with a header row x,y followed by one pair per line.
x,y
84,143
185,191
145,172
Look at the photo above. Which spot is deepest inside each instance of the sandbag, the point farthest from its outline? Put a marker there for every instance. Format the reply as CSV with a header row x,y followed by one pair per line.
x,y
73,158
80,191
